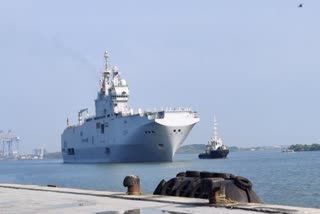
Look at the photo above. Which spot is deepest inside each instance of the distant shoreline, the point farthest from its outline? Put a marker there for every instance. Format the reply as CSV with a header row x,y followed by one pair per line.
x,y
304,147
198,148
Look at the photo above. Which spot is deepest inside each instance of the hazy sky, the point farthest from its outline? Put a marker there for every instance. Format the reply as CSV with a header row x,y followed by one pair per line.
x,y
254,63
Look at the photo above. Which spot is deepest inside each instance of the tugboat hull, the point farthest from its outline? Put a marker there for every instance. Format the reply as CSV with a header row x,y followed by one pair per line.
x,y
214,154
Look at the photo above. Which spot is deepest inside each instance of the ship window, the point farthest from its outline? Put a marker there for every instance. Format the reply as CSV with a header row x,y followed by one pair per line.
x,y
102,128
81,133
125,122
174,130
160,145
107,151
153,132
98,125
179,130
108,115
104,111
145,132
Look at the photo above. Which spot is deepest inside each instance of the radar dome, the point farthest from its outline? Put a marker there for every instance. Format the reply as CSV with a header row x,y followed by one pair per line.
x,y
115,69
123,82
106,54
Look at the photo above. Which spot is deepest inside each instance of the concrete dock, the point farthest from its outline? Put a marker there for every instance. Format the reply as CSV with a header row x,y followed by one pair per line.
x,y
16,198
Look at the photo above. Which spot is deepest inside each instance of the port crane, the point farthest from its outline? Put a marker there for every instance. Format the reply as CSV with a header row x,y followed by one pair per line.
x,y
10,144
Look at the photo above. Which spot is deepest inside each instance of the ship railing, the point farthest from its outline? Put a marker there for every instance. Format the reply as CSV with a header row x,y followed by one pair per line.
x,y
178,109
169,109
159,114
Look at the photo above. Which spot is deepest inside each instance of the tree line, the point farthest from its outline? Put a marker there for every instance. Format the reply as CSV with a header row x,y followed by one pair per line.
x,y
305,147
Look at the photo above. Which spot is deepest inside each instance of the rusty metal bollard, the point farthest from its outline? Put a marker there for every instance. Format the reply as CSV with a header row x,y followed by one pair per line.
x,y
133,184
215,190
218,196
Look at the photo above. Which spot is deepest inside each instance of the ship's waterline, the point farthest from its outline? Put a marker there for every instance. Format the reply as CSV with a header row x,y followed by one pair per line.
x,y
117,134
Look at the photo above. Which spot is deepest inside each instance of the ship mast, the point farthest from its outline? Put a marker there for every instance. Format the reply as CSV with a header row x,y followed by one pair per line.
x,y
105,76
216,140
215,129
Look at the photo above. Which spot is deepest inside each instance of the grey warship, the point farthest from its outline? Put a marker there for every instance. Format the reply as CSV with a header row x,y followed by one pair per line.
x,y
117,133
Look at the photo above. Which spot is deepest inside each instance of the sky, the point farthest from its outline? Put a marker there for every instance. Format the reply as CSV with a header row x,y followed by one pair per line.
x,y
253,63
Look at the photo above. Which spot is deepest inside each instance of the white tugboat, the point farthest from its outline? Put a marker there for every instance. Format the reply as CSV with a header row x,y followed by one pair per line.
x,y
118,134
215,148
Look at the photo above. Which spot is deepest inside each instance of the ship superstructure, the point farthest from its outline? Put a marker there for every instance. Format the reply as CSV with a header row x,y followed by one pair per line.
x,y
116,133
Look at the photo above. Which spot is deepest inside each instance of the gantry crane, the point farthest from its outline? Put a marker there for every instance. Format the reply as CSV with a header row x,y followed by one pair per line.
x,y
10,144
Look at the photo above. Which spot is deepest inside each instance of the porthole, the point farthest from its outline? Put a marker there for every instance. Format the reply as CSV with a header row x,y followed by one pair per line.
x,y
160,146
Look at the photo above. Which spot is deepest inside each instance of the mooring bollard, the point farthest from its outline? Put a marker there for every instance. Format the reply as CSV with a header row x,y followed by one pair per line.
x,y
133,184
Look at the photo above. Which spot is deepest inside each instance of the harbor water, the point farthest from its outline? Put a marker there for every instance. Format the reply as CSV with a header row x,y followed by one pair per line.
x,y
278,178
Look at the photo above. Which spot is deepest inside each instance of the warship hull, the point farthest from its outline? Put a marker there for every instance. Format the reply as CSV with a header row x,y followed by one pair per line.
x,y
127,139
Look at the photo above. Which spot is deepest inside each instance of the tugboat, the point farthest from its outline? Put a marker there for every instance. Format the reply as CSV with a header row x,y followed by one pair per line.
x,y
215,149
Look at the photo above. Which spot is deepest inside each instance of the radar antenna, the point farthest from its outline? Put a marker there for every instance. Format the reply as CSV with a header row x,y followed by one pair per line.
x,y
106,57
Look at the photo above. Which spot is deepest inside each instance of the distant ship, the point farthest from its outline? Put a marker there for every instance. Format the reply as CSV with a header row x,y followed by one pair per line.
x,y
118,134
286,150
215,148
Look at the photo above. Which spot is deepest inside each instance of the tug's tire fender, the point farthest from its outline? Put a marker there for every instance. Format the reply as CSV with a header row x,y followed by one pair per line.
x,y
158,189
181,174
192,174
243,183
216,175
